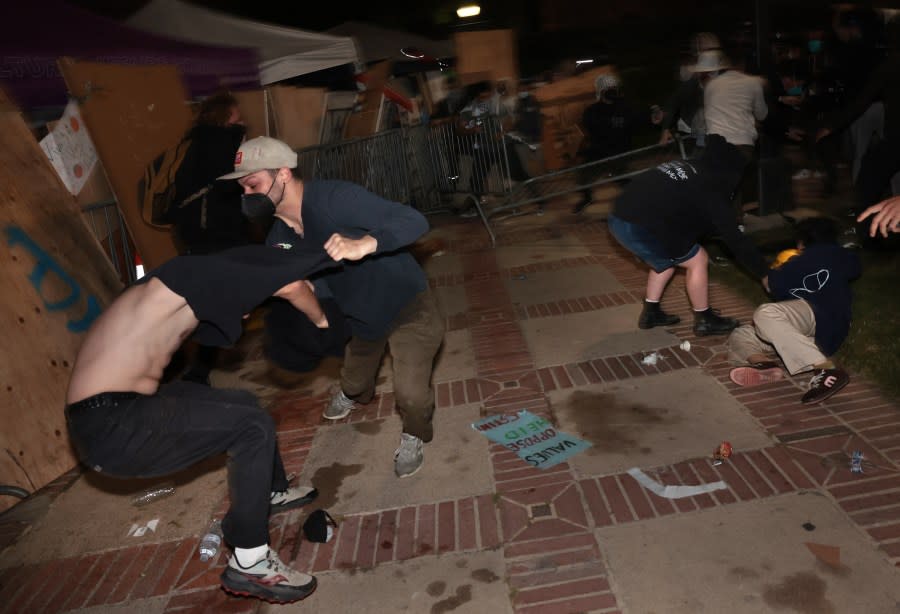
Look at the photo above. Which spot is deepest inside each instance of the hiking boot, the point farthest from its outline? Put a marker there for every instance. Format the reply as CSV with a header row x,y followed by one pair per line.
x,y
709,322
339,407
269,580
754,376
295,496
824,384
408,457
653,315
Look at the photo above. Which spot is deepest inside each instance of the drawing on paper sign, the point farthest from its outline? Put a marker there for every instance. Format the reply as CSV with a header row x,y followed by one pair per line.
x,y
531,437
70,150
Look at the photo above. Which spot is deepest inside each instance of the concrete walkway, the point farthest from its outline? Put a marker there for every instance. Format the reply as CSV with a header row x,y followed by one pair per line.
x,y
544,322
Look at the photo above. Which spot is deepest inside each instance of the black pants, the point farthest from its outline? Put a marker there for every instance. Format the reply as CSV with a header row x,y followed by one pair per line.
x,y
879,164
129,435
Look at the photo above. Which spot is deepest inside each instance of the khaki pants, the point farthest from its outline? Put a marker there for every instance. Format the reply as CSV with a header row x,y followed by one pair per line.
x,y
788,328
414,342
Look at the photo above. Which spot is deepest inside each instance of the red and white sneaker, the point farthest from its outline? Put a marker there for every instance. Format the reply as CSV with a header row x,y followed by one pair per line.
x,y
269,580
825,383
754,376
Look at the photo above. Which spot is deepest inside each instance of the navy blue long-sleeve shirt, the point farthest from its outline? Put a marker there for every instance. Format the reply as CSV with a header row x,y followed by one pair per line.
x,y
821,276
370,292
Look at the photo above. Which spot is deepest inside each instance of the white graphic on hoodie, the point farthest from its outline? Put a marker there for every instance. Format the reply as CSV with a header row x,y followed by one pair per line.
x,y
812,283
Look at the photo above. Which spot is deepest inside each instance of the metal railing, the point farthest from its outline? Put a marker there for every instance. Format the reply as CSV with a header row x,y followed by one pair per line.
x,y
108,227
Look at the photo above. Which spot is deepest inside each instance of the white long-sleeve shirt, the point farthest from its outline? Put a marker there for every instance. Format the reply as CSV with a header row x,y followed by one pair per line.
x,y
733,102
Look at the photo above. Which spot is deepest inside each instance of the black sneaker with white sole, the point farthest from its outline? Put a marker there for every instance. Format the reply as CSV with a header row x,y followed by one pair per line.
x,y
268,579
825,383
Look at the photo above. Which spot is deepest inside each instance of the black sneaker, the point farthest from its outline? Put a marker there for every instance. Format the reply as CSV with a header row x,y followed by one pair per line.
x,y
825,383
269,580
652,316
709,322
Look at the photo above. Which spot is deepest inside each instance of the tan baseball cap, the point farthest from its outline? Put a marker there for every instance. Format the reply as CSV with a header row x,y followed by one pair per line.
x,y
259,154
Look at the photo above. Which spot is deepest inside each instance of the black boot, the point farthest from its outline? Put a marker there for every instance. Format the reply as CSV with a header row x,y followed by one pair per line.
x,y
708,322
653,315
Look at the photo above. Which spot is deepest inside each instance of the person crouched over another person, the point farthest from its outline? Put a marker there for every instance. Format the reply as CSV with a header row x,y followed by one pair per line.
x,y
663,213
124,424
810,319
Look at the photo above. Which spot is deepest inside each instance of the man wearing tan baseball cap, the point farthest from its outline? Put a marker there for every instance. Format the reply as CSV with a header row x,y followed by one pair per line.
x,y
381,289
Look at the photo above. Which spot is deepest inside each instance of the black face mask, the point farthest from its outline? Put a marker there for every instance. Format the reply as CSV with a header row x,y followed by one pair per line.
x,y
259,207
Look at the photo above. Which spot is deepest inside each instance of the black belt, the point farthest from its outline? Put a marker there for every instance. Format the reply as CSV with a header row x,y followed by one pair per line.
x,y
104,399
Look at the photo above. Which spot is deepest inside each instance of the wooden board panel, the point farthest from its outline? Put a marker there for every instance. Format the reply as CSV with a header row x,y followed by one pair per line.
x,y
55,281
298,113
492,51
133,113
365,121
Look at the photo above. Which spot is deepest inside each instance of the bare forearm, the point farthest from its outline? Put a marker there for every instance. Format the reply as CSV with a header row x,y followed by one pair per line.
x,y
302,298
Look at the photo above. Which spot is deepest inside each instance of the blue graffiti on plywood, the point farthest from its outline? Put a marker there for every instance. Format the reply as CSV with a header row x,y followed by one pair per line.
x,y
44,264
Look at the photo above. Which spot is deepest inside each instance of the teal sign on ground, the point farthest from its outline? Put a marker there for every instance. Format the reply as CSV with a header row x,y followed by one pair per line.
x,y
533,438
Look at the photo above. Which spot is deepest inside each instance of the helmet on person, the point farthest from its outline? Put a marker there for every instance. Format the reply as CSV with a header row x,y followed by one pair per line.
x,y
606,84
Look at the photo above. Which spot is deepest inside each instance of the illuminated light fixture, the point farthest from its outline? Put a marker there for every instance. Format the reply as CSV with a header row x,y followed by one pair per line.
x,y
580,62
470,10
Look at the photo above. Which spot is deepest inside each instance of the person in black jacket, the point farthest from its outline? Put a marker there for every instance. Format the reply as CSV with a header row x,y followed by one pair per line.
x,y
810,320
380,288
660,217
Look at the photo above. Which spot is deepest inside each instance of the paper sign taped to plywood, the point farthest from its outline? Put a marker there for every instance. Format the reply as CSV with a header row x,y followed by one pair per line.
x,y
533,438
70,150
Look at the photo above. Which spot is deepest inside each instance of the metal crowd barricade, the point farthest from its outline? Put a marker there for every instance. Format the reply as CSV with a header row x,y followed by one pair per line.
x,y
378,163
474,163
539,189
106,223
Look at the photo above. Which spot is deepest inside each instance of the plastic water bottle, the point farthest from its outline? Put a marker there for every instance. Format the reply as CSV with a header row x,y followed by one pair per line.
x,y
209,544
154,493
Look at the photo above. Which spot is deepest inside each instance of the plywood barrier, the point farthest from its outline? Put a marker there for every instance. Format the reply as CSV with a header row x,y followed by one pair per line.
x,y
133,114
298,113
562,106
488,51
365,122
55,281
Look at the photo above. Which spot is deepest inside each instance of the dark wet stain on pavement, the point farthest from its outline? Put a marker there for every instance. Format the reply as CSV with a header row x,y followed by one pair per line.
x,y
802,592
613,424
485,575
368,428
463,595
328,481
436,589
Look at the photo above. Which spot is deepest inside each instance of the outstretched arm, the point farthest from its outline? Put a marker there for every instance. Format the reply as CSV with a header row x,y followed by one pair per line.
x,y
300,295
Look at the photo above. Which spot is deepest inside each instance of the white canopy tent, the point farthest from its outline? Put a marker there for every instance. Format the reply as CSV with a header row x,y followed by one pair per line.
x,y
377,43
285,52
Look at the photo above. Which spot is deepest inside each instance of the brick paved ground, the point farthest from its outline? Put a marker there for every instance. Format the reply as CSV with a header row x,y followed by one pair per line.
x,y
543,522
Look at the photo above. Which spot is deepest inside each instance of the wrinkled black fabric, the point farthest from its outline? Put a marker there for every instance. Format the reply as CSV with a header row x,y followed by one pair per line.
x,y
220,288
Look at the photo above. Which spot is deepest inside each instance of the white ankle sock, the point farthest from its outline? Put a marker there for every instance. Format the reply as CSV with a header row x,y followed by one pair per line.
x,y
248,557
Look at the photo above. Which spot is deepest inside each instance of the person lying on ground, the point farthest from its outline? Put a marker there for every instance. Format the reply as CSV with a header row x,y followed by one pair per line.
x,y
810,319
124,424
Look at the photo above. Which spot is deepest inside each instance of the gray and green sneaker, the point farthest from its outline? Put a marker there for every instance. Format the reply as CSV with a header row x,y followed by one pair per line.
x,y
269,580
339,407
408,457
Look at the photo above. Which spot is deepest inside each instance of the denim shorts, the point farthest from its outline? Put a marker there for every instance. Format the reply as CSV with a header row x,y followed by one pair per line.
x,y
644,245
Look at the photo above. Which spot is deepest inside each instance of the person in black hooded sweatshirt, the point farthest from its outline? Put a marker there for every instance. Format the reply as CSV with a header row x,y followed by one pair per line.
x,y
810,319
660,218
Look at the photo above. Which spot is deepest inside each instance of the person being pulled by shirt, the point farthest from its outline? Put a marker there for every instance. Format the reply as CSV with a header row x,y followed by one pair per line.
x,y
124,424
379,287
664,212
810,319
